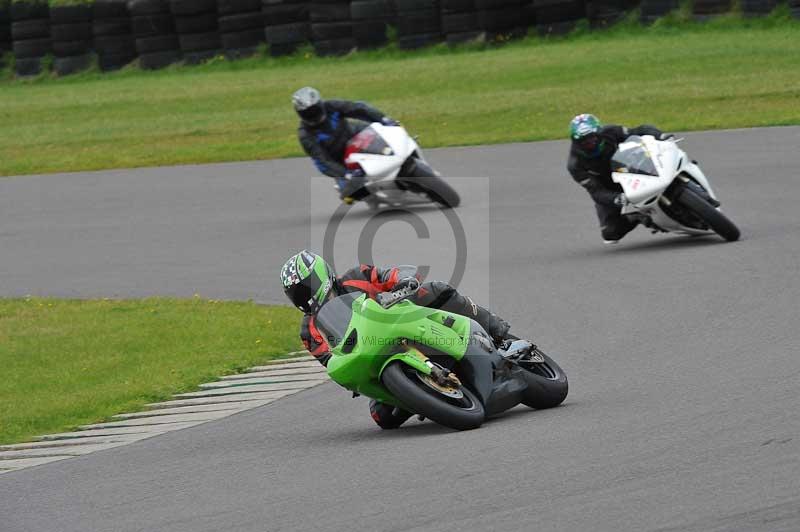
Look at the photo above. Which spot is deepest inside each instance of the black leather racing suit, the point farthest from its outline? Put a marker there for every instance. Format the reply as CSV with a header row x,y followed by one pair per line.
x,y
594,174
325,143
435,294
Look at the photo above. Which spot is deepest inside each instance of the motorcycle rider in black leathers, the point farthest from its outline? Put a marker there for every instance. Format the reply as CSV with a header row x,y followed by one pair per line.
x,y
324,132
309,282
593,146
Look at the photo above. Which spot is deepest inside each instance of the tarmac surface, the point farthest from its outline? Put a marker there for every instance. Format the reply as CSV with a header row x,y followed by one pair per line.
x,y
682,353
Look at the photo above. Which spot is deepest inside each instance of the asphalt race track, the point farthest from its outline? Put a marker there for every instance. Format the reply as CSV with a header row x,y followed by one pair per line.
x,y
682,353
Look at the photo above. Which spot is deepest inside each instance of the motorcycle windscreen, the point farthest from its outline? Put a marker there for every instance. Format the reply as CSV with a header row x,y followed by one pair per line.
x,y
634,168
334,318
367,141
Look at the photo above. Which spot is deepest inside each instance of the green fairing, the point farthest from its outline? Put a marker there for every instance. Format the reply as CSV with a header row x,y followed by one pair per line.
x,y
381,335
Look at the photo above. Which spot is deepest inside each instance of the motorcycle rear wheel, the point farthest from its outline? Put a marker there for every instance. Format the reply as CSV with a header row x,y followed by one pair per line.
x,y
408,386
547,383
718,222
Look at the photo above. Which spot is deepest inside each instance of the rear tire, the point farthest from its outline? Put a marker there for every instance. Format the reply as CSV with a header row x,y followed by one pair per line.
x,y
547,383
423,177
718,222
404,383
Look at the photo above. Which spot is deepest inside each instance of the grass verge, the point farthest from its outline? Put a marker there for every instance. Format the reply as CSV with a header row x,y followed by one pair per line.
x,y
70,362
681,75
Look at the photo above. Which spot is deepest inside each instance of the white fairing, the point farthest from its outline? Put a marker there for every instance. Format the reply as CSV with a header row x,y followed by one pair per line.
x,y
388,165
382,169
644,192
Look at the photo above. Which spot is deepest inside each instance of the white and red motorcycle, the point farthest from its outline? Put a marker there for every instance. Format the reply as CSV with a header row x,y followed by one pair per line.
x,y
397,174
666,190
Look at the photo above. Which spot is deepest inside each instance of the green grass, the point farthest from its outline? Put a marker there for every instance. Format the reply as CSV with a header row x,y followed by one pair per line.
x,y
678,74
67,363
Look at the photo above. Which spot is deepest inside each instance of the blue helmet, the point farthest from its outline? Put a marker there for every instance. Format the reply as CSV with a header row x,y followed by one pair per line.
x,y
584,130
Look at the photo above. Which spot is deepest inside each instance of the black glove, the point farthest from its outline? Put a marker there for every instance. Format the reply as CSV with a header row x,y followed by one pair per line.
x,y
620,200
386,121
406,282
666,136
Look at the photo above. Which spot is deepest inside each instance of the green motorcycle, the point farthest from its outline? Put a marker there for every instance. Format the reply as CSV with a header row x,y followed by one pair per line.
x,y
439,365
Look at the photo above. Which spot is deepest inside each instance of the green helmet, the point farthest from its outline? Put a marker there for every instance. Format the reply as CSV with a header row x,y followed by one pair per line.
x,y
308,281
584,130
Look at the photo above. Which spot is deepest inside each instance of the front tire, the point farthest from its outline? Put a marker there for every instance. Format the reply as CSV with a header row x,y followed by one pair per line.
x,y
423,177
408,386
717,221
547,383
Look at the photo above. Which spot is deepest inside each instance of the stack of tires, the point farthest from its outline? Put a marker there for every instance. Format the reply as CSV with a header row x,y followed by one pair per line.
x,y
154,33
501,19
5,30
286,25
605,13
460,21
241,27
113,36
418,23
197,27
758,8
370,20
30,32
71,32
557,17
706,9
794,6
331,27
650,10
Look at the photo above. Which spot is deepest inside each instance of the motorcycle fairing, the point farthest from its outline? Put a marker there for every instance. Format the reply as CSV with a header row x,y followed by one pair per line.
x,y
384,158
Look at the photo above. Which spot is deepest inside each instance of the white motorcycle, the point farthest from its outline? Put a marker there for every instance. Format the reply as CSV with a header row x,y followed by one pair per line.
x,y
666,190
397,174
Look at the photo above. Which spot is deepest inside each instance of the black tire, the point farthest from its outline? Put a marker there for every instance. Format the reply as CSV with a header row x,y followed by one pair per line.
x,y
109,62
234,7
192,7
278,15
457,6
296,32
495,4
418,22
30,29
241,22
334,46
68,14
331,30
370,34
158,60
201,23
28,66
32,48
29,10
148,7
110,9
242,40
370,9
454,39
147,25
64,66
415,5
499,19
418,397
199,57
200,42
71,32
412,42
232,54
158,43
717,221
70,48
281,49
114,44
329,12
547,383
421,176
111,26
459,22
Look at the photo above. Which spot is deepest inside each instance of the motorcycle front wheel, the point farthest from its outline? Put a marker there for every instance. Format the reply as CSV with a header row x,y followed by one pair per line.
x,y
422,177
454,407
547,382
717,221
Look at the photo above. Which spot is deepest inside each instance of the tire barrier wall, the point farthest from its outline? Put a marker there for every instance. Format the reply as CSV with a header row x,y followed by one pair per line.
x,y
158,33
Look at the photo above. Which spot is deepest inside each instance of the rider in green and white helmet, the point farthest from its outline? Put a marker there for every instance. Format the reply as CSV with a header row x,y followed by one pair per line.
x,y
593,145
310,282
